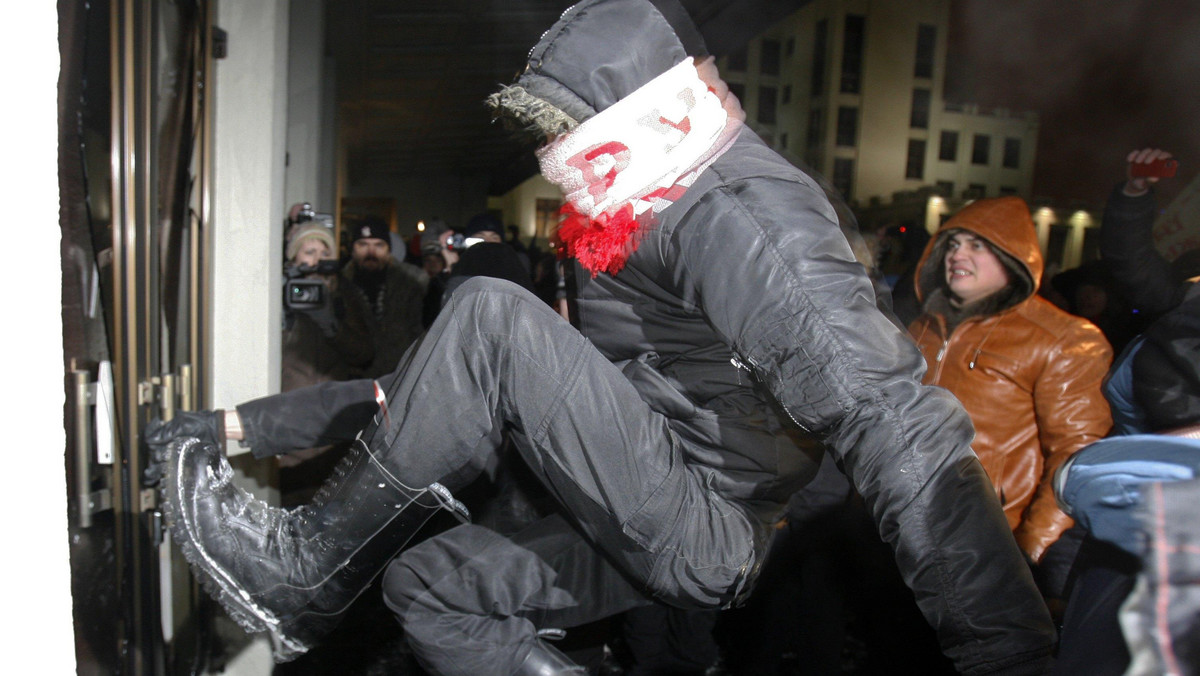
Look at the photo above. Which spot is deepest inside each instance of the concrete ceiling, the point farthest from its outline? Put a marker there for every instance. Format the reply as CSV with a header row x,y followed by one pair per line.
x,y
412,76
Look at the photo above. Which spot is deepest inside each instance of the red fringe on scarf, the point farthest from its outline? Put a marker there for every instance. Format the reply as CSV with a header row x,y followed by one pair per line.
x,y
603,244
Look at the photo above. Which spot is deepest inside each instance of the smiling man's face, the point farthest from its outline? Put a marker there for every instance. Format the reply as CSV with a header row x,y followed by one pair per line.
x,y
973,272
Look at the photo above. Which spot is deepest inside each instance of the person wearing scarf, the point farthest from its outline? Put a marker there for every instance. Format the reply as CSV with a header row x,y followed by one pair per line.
x,y
722,312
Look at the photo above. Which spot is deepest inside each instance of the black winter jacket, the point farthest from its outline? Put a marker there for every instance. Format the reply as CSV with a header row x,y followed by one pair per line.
x,y
1166,370
1127,247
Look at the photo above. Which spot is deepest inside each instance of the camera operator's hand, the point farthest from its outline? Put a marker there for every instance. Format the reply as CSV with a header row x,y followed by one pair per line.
x,y
207,426
1138,185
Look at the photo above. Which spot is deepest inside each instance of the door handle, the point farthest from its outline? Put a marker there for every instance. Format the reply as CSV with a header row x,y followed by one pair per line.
x,y
89,395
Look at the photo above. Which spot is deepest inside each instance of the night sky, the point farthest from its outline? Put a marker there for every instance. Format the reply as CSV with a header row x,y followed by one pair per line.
x,y
1105,76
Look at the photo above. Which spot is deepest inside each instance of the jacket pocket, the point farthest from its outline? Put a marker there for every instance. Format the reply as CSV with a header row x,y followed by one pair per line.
x,y
996,365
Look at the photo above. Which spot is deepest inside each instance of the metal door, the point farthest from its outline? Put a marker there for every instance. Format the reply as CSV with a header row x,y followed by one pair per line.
x,y
133,165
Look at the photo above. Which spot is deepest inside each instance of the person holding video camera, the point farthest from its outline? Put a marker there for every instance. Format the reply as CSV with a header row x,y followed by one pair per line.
x,y
325,338
325,334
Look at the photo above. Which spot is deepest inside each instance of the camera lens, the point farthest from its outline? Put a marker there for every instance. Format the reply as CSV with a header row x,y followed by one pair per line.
x,y
304,293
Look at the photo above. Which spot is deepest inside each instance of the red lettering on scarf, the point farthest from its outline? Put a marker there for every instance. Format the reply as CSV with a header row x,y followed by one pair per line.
x,y
587,160
684,125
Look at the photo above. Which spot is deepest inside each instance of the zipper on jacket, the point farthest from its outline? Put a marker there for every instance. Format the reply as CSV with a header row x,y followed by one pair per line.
x,y
941,354
741,365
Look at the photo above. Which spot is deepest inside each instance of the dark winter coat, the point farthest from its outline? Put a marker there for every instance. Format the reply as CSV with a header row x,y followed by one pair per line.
x,y
395,320
1127,248
1166,369
744,310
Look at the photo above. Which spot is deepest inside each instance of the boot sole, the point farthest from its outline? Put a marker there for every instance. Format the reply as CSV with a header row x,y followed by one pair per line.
x,y
214,579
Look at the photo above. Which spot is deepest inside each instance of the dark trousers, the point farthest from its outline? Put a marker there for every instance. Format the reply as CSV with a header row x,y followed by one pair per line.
x,y
640,523
661,640
1092,641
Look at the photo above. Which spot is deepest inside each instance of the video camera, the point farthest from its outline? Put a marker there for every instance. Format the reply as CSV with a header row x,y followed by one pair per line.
x,y
300,293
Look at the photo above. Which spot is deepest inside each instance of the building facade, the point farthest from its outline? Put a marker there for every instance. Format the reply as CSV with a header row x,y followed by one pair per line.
x,y
855,90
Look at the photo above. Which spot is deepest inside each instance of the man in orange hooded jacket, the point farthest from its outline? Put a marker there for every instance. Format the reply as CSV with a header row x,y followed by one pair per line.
x,y
1028,373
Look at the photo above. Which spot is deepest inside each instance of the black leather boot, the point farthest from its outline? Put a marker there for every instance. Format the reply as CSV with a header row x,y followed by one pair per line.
x,y
546,660
291,573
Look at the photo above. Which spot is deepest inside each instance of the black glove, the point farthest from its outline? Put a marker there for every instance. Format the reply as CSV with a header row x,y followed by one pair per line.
x,y
207,426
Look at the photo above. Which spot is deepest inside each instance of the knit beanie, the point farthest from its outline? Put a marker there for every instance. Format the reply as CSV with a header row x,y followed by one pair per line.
x,y
370,228
307,230
482,222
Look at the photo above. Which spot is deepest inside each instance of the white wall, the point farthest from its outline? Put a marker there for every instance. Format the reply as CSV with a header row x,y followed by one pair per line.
x,y
33,506
248,207
519,205
310,128
248,201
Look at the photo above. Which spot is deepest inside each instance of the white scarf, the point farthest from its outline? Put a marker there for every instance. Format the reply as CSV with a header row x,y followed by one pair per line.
x,y
638,156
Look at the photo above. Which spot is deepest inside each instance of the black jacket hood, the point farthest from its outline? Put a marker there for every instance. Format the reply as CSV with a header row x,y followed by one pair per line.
x,y
600,51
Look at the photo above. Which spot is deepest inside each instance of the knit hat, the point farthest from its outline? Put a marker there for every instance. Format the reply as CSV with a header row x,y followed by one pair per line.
x,y
308,230
370,228
482,222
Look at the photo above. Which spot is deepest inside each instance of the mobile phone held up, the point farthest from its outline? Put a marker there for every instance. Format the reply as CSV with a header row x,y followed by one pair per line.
x,y
1161,168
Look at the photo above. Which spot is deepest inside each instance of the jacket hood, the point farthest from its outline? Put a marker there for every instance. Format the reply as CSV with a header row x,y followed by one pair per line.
x,y
597,53
1006,224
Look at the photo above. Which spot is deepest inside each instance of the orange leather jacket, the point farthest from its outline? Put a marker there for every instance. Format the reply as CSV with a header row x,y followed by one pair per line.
x,y
1028,374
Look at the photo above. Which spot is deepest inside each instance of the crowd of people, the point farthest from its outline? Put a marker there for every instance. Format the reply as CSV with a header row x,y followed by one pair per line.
x,y
725,439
